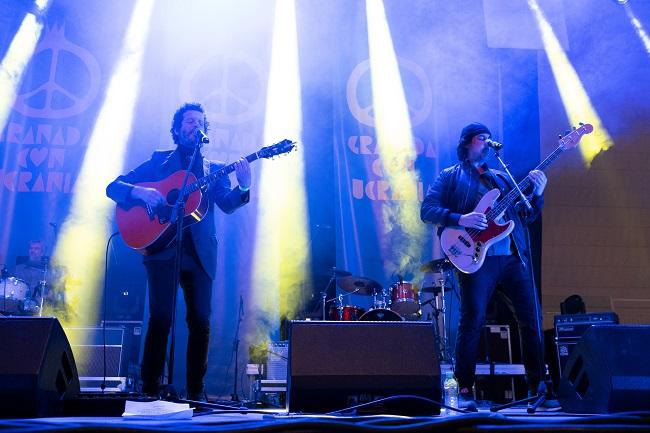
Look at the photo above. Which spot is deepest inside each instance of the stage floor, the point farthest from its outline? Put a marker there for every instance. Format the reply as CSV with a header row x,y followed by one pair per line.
x,y
233,420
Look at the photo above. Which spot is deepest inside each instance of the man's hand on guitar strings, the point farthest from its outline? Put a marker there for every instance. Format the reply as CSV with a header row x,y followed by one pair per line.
x,y
150,196
473,220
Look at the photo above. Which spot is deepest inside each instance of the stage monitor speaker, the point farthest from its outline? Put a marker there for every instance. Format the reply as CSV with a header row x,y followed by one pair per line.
x,y
335,365
608,371
37,369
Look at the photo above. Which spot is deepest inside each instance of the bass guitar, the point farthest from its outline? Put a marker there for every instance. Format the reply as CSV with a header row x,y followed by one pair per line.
x,y
466,247
148,229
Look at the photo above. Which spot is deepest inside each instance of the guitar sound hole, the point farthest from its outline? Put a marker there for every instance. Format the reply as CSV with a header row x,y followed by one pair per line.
x,y
172,196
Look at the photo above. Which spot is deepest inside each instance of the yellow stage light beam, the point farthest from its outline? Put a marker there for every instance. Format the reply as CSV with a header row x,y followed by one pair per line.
x,y
394,143
15,60
281,258
575,99
640,31
85,231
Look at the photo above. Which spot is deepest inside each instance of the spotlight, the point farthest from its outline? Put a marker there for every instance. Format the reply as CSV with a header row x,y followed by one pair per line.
x,y
620,2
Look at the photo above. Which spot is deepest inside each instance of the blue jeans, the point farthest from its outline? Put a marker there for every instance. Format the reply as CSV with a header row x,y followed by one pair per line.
x,y
476,290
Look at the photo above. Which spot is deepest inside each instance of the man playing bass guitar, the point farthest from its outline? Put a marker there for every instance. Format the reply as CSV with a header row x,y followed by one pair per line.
x,y
451,201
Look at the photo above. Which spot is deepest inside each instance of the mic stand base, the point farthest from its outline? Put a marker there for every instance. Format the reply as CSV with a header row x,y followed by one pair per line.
x,y
534,402
168,392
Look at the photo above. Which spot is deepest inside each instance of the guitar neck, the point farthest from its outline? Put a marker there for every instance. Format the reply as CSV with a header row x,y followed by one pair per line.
x,y
512,196
223,171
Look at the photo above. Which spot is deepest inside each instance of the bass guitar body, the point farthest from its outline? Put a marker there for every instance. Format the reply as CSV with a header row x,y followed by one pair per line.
x,y
466,248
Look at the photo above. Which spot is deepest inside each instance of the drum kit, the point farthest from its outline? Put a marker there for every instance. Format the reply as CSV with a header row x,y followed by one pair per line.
x,y
399,302
16,297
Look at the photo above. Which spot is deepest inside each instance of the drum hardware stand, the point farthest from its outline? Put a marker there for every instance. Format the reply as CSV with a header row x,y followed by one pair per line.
x,y
41,285
439,306
323,294
5,276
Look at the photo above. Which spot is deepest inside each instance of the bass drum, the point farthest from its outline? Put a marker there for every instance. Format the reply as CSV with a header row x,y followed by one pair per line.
x,y
381,315
14,288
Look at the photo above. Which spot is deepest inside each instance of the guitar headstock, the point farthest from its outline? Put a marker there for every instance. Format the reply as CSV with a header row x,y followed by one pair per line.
x,y
572,139
284,146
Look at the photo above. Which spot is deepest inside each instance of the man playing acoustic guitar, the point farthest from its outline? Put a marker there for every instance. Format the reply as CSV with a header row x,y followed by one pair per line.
x,y
451,202
199,246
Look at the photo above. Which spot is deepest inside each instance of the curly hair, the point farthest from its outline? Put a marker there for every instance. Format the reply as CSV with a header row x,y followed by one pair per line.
x,y
178,119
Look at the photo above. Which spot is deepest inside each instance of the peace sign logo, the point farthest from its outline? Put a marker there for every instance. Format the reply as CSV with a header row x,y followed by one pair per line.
x,y
65,79
413,77
230,86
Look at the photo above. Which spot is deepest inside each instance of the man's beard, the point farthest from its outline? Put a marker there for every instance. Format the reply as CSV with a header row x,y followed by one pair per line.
x,y
188,140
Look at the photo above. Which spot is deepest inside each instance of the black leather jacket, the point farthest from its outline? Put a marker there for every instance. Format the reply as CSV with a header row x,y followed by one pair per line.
x,y
454,193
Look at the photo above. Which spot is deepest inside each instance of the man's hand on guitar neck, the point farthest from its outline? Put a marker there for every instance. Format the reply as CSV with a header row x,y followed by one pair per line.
x,y
473,220
539,181
243,173
150,196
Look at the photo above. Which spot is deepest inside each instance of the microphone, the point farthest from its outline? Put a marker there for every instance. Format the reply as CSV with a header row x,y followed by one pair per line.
x,y
493,144
201,137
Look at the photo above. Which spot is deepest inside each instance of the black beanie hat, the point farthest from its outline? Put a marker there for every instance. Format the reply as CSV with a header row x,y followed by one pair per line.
x,y
473,129
466,136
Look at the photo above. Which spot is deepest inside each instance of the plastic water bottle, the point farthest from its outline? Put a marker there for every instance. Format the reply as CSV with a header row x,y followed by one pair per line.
x,y
450,387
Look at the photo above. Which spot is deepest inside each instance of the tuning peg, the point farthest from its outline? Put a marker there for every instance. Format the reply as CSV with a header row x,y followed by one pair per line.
x,y
581,124
559,136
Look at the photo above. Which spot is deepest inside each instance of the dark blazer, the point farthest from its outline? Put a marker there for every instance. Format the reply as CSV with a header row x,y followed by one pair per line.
x,y
203,233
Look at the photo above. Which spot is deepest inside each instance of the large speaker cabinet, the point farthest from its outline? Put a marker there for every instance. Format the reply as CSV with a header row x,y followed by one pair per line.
x,y
37,369
608,371
334,365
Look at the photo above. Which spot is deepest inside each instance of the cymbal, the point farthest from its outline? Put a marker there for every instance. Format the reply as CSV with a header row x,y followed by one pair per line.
x,y
359,285
340,272
438,265
431,289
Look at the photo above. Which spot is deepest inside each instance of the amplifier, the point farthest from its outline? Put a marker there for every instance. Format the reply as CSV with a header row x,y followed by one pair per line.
x,y
94,359
574,325
277,360
570,327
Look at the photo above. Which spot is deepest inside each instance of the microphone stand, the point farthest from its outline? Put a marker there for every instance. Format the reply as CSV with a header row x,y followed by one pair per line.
x,y
235,348
512,179
179,214
544,390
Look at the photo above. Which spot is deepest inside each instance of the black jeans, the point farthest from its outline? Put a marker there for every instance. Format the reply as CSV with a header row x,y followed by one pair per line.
x,y
476,290
197,289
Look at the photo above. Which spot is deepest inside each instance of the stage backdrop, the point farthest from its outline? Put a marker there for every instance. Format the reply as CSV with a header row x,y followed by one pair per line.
x,y
455,67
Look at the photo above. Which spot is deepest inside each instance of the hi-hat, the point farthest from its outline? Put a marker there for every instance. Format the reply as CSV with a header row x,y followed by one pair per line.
x,y
359,285
439,265
340,272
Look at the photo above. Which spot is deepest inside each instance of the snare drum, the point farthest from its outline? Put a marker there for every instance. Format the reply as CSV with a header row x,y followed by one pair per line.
x,y
381,315
14,288
404,298
346,313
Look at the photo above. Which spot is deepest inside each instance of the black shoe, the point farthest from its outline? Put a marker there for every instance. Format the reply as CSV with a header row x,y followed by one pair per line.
x,y
466,400
151,391
197,396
